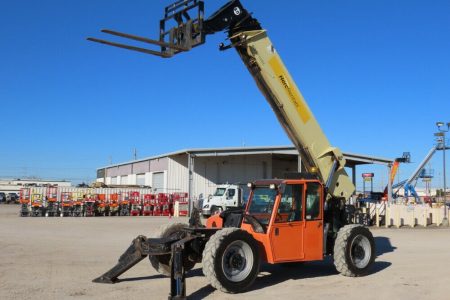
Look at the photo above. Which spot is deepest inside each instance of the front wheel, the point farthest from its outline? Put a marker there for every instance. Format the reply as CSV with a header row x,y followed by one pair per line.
x,y
354,250
161,263
231,260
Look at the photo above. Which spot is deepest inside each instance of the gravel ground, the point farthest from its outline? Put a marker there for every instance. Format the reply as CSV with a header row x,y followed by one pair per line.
x,y
56,258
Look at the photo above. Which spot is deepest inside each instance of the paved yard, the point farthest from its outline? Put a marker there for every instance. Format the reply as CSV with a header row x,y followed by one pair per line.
x,y
56,258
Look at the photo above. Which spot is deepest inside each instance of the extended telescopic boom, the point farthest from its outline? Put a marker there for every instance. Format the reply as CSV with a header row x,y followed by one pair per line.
x,y
271,76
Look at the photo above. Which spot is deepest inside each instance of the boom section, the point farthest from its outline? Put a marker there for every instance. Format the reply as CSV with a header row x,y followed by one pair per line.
x,y
276,84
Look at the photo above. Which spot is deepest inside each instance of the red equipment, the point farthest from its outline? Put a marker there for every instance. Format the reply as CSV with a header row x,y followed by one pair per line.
x,y
66,204
165,203
114,204
158,208
52,207
124,204
77,204
136,205
36,205
24,199
101,205
183,204
89,205
149,205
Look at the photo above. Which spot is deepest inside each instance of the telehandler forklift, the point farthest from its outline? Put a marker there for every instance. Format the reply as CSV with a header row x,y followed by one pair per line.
x,y
297,219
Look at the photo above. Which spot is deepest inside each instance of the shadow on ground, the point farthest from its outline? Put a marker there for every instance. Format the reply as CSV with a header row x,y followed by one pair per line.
x,y
383,245
271,275
192,273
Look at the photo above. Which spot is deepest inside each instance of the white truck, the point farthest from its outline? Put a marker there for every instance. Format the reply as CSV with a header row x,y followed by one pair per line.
x,y
225,196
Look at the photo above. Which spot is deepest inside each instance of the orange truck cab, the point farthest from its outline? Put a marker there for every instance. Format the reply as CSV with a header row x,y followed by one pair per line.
x,y
286,218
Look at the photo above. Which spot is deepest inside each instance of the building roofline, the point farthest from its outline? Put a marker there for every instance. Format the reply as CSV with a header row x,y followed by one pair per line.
x,y
226,151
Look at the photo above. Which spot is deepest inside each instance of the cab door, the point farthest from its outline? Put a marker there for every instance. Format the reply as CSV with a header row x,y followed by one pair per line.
x,y
313,212
286,233
231,197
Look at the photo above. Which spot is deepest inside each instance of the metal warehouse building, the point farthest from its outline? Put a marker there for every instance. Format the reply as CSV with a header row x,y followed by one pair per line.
x,y
198,171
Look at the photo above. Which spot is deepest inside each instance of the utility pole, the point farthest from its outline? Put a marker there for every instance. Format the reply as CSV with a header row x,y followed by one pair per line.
x,y
441,137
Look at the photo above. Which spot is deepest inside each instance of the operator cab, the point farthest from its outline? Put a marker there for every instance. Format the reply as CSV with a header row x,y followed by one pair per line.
x,y
283,215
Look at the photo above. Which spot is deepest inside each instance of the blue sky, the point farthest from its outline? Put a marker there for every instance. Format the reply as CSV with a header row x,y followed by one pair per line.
x,y
376,74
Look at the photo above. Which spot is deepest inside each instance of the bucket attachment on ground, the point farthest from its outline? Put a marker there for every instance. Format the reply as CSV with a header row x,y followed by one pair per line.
x,y
140,247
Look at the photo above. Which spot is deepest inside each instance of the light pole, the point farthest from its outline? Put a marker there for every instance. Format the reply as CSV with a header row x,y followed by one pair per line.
x,y
443,129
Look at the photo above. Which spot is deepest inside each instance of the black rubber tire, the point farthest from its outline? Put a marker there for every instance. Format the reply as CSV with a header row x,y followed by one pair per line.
x,y
161,263
216,210
343,251
213,259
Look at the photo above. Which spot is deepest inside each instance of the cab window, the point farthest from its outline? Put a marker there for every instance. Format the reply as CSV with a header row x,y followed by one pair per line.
x,y
290,208
313,201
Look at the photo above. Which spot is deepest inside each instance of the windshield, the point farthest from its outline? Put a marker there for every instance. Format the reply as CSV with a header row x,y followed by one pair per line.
x,y
220,192
262,202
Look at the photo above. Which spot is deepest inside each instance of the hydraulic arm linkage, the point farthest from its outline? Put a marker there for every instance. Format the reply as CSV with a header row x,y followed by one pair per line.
x,y
261,59
184,245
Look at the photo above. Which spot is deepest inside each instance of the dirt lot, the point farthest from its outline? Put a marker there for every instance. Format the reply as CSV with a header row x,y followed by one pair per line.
x,y
56,258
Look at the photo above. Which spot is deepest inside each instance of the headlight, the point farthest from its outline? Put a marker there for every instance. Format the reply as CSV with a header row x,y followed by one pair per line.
x,y
206,206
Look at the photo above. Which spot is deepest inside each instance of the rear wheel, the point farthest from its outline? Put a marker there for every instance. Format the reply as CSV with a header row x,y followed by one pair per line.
x,y
161,263
231,260
354,250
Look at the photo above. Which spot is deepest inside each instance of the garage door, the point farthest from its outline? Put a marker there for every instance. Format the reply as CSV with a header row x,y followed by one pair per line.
x,y
140,179
158,182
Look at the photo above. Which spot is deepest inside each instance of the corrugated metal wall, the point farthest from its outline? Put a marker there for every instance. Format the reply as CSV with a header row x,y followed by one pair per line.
x,y
210,171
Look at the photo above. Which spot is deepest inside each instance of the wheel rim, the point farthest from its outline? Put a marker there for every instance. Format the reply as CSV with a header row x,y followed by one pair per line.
x,y
360,251
237,261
